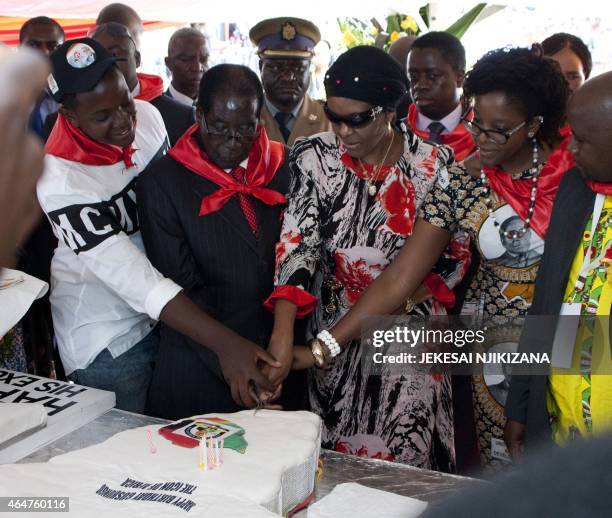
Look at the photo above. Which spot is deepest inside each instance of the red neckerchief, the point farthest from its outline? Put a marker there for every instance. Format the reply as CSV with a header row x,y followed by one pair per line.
x,y
460,139
264,160
565,131
68,142
151,87
362,169
600,187
517,192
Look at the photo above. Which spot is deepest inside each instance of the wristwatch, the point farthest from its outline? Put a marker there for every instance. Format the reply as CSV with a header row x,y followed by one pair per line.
x,y
318,352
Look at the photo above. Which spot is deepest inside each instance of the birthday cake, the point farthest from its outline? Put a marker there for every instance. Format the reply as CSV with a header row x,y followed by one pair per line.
x,y
241,464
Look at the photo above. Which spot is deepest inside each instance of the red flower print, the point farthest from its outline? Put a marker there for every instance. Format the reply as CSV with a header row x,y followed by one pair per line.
x,y
355,272
397,199
288,241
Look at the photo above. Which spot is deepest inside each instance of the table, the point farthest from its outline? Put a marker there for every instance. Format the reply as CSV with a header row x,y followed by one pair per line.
x,y
431,486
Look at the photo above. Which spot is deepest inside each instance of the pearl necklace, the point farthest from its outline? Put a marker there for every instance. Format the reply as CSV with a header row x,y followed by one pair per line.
x,y
515,234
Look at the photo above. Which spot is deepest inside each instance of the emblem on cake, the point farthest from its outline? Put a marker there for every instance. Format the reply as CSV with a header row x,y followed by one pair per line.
x,y
188,433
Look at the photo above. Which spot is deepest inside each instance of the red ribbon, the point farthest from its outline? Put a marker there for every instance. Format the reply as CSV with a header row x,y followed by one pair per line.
x,y
517,193
460,139
264,160
151,87
69,142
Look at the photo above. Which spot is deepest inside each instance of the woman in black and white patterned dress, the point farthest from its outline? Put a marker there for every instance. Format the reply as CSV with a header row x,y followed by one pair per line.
x,y
353,201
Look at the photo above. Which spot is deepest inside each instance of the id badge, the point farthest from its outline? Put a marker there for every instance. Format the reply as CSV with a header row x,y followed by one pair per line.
x,y
565,335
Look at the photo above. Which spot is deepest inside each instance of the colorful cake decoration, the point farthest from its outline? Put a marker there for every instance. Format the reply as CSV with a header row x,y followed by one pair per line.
x,y
188,433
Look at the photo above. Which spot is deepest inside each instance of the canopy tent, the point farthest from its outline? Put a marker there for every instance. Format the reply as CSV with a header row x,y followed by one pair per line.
x,y
73,27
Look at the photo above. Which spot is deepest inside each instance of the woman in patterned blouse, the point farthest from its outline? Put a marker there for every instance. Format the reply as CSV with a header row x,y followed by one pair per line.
x,y
353,201
503,202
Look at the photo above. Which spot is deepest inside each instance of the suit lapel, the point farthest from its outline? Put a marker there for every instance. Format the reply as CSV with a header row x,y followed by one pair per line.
x,y
271,126
578,213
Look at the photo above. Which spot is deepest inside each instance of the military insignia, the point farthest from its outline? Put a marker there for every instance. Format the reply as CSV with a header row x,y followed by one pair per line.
x,y
80,55
288,31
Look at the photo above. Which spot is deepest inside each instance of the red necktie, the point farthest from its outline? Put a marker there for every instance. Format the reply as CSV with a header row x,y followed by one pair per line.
x,y
246,202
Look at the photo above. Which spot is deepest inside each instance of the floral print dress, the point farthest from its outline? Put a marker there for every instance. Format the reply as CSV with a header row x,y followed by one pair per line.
x,y
336,239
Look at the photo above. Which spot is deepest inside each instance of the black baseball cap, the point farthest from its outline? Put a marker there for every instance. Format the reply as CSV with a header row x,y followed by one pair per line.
x,y
78,65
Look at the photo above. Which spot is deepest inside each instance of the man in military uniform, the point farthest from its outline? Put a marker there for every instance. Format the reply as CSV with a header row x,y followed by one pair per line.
x,y
285,47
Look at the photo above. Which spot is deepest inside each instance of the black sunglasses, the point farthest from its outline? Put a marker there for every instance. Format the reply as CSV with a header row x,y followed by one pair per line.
x,y
354,120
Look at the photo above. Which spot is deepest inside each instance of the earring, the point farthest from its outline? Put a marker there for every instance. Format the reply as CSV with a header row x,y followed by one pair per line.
x,y
531,134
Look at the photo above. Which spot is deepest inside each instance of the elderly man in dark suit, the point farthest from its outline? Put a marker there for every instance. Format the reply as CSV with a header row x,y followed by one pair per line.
x,y
210,214
579,234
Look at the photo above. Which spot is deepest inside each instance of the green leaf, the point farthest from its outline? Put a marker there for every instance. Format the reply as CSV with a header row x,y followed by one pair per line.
x,y
460,27
424,12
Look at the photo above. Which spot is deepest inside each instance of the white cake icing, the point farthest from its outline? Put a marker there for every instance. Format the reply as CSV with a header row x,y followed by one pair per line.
x,y
20,418
276,472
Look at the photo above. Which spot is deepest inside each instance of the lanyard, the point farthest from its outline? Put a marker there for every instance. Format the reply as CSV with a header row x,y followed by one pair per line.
x,y
587,264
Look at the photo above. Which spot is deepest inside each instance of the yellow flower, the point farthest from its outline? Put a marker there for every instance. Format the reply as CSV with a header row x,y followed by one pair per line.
x,y
408,23
348,38
394,36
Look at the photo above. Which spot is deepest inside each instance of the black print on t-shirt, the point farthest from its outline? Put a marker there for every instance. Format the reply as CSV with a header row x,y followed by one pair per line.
x,y
83,227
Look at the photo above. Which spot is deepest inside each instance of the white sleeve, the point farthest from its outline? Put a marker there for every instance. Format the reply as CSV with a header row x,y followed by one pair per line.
x,y
98,232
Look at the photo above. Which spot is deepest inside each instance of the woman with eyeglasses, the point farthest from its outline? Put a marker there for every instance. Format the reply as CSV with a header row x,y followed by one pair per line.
x,y
210,219
502,199
354,196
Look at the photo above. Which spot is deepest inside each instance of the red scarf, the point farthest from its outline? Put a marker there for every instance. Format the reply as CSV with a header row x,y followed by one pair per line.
x,y
517,193
600,187
264,160
151,87
460,139
68,142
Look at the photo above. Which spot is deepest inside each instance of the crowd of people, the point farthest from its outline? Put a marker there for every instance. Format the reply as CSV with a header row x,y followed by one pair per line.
x,y
217,244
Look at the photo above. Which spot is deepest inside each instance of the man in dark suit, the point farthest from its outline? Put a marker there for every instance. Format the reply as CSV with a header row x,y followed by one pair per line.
x,y
187,61
581,190
43,35
118,40
210,215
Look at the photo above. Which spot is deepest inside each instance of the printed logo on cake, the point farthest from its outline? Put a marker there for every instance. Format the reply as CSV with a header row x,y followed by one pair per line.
x,y
80,55
188,432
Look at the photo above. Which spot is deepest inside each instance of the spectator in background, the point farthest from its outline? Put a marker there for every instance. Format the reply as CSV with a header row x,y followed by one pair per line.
x,y
118,41
125,15
285,47
573,57
43,35
436,68
399,50
187,61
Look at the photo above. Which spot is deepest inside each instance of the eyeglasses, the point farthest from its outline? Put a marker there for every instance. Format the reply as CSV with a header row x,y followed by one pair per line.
x,y
226,134
496,136
354,120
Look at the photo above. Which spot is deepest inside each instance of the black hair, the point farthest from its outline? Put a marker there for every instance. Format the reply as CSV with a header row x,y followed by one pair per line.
x,y
448,45
39,20
527,78
114,29
561,40
237,79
